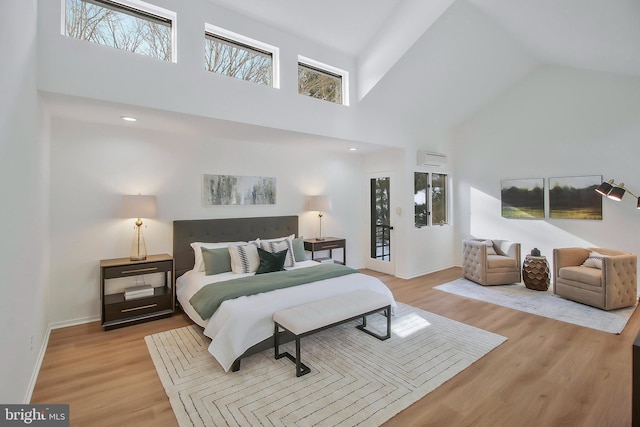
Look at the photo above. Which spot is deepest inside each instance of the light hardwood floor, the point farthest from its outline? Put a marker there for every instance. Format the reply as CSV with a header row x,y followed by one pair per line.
x,y
547,373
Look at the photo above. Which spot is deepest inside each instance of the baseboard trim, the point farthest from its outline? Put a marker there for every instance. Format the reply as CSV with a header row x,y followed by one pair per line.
x,y
36,369
413,276
43,350
74,322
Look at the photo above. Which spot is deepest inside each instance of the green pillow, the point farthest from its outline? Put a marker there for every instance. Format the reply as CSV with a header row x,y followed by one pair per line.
x,y
298,249
270,262
216,260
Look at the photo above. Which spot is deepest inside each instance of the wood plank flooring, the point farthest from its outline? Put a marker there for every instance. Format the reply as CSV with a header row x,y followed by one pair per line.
x,y
547,373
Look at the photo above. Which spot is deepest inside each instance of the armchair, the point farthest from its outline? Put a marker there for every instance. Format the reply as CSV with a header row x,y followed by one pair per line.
x,y
607,280
488,262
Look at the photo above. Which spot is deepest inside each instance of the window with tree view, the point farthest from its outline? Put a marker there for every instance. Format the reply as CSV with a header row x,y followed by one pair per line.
x,y
430,199
235,59
118,25
319,84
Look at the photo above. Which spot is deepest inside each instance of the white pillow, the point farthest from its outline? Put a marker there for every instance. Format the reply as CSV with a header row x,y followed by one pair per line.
x,y
490,249
274,246
594,260
244,258
198,265
278,239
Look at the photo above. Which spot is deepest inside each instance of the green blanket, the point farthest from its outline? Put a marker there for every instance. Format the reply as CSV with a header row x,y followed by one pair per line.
x,y
207,300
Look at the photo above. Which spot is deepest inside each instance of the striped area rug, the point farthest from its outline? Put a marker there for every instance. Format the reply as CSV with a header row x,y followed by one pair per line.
x,y
355,379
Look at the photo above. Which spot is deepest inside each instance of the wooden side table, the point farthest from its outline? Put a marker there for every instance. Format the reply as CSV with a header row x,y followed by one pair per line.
x,y
327,244
117,311
535,273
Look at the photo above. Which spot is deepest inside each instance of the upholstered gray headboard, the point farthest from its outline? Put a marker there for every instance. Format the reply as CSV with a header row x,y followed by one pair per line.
x,y
225,230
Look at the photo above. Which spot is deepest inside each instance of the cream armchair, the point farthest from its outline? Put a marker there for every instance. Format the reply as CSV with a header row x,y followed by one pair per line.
x,y
607,279
490,262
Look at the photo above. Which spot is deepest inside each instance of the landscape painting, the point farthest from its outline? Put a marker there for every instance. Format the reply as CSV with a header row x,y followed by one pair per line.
x,y
575,197
522,198
238,190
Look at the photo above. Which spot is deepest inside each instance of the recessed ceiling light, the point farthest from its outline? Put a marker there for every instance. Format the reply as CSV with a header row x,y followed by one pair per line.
x,y
129,118
353,149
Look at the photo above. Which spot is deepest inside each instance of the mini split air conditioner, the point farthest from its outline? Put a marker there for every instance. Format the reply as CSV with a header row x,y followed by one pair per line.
x,y
426,158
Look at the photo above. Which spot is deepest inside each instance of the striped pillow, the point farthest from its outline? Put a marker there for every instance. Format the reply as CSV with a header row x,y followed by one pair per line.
x,y
274,246
244,258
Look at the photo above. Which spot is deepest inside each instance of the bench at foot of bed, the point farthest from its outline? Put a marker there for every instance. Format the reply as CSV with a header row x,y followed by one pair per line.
x,y
307,319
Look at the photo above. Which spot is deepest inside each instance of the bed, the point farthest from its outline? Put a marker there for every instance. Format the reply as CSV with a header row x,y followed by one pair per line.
x,y
242,326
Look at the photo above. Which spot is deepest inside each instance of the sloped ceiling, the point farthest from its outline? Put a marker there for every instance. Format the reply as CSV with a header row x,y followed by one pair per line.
x,y
457,66
450,57
346,26
592,34
473,51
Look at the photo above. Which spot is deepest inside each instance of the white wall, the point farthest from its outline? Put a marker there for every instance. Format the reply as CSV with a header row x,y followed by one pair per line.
x,y
415,251
81,69
74,67
92,165
556,122
24,214
432,248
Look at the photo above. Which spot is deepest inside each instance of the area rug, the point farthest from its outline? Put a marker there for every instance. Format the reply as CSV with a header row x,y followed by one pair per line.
x,y
355,379
542,303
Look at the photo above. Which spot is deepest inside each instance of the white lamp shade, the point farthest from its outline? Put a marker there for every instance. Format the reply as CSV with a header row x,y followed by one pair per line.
x,y
139,206
320,203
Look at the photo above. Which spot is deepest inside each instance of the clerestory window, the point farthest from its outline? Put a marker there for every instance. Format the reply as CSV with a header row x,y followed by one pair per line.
x,y
322,81
130,25
234,55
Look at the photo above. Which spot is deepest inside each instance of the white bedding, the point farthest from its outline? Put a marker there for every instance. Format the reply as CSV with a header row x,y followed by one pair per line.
x,y
243,322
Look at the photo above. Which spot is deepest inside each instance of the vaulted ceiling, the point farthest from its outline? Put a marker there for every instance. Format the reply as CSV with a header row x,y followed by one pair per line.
x,y
596,34
446,58
434,63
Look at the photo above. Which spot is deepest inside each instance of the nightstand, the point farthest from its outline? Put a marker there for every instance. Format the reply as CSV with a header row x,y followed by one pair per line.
x,y
327,244
117,311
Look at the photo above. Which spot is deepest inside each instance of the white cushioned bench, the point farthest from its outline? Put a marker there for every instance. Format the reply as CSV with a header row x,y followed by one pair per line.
x,y
306,319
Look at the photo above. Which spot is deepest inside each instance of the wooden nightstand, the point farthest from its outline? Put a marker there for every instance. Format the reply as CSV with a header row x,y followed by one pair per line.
x,y
328,244
118,311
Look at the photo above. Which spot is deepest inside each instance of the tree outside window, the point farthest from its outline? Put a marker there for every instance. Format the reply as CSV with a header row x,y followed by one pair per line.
x,y
439,199
238,60
115,25
319,84
430,199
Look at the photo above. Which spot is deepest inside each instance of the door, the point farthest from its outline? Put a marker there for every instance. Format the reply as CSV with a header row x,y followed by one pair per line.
x,y
380,249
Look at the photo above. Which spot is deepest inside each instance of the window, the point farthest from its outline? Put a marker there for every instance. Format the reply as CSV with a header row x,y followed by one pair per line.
x,y
322,81
130,25
420,190
430,199
237,56
439,199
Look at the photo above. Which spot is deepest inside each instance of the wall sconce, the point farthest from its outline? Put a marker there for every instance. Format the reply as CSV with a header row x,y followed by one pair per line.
x,y
321,204
615,192
139,207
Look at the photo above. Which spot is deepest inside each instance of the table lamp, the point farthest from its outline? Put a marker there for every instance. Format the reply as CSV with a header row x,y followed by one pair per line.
x,y
321,204
139,207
